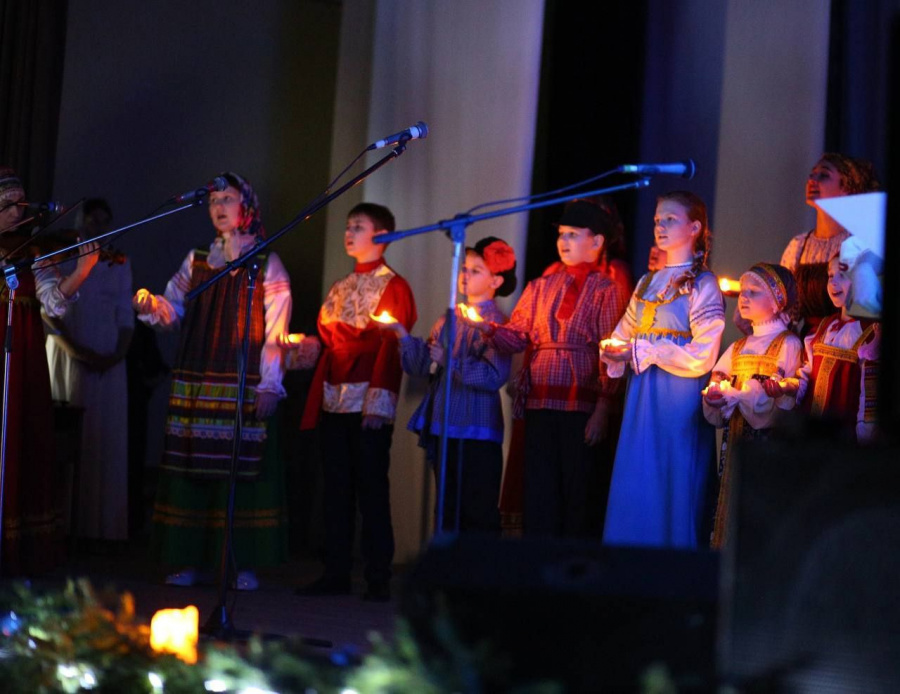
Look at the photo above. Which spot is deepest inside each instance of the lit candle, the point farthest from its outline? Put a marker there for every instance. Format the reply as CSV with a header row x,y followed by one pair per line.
x,y
614,342
471,313
295,338
175,631
714,386
383,317
729,287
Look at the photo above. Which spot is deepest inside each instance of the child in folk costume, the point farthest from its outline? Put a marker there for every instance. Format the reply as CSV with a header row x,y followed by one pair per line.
x,y
353,400
744,395
563,316
839,379
194,474
669,337
475,421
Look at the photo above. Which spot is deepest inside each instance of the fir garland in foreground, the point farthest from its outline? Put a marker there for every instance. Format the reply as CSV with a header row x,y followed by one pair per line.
x,y
80,641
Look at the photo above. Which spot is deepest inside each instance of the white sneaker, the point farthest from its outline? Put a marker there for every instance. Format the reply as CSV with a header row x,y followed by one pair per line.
x,y
247,580
185,577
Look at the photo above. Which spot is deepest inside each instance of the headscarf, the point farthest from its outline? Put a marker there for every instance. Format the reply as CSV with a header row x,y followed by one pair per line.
x,y
780,282
10,183
251,220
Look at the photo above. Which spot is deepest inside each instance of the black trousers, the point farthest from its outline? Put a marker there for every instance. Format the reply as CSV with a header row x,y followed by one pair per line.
x,y
557,473
482,469
355,464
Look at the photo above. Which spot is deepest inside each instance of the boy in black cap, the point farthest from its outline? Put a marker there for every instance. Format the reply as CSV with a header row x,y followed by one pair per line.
x,y
563,316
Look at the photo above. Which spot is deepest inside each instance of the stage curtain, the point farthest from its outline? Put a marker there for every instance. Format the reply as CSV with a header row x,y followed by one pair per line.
x,y
470,69
32,47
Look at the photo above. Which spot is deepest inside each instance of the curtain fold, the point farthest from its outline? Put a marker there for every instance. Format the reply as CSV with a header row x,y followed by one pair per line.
x,y
471,70
32,50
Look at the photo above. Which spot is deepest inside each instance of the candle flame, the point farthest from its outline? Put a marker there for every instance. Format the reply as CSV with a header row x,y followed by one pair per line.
x,y
175,631
296,338
471,313
721,386
729,287
383,317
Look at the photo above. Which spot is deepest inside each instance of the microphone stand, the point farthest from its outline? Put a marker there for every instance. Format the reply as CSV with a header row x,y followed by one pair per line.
x,y
456,230
219,624
10,273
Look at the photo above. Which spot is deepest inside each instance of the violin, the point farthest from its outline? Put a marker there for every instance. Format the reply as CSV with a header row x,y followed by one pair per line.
x,y
53,241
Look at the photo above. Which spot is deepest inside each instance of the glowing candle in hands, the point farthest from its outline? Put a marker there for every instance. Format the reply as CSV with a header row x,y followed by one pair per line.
x,y
383,317
614,343
470,313
717,388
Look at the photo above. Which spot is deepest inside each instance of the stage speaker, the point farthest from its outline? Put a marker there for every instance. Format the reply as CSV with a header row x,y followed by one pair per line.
x,y
593,618
811,578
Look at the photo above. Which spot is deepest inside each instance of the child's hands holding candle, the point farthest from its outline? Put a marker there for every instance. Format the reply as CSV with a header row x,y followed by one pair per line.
x,y
614,349
714,393
304,350
777,386
472,318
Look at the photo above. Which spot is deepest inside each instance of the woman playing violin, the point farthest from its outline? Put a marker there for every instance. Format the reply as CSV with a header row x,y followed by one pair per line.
x,y
32,508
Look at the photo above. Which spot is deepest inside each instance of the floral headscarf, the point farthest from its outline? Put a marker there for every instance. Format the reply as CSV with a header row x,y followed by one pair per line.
x,y
251,220
781,285
9,183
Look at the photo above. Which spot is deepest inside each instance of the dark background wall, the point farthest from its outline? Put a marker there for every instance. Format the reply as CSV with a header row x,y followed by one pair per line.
x,y
160,97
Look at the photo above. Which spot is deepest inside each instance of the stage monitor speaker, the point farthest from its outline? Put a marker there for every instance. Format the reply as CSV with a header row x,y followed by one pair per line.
x,y
593,618
811,576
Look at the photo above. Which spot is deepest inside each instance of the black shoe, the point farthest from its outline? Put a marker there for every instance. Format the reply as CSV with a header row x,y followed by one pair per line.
x,y
378,591
325,586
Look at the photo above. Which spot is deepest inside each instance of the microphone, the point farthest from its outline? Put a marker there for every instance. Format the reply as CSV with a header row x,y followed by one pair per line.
x,y
414,132
39,207
218,184
685,169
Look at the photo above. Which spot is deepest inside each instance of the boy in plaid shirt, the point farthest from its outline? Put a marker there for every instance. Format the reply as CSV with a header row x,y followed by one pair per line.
x,y
475,421
563,316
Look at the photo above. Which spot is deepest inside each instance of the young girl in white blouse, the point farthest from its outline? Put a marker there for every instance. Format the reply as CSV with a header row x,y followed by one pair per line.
x,y
744,395
839,377
669,337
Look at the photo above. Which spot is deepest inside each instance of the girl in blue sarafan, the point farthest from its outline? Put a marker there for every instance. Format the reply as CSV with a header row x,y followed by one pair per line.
x,y
475,421
670,337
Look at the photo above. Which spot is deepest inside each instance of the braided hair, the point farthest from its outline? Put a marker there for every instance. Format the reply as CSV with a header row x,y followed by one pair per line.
x,y
695,209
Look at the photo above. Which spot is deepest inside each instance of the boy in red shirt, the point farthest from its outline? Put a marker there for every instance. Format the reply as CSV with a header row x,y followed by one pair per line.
x,y
353,399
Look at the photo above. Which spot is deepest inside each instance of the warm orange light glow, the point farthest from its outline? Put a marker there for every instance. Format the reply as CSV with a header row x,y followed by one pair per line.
x,y
613,342
383,317
175,631
729,287
295,338
471,313
720,386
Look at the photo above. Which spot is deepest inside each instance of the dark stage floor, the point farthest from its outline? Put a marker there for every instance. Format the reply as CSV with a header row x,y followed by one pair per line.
x,y
345,621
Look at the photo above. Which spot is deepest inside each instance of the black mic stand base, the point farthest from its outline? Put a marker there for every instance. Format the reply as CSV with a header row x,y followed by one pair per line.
x,y
219,627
